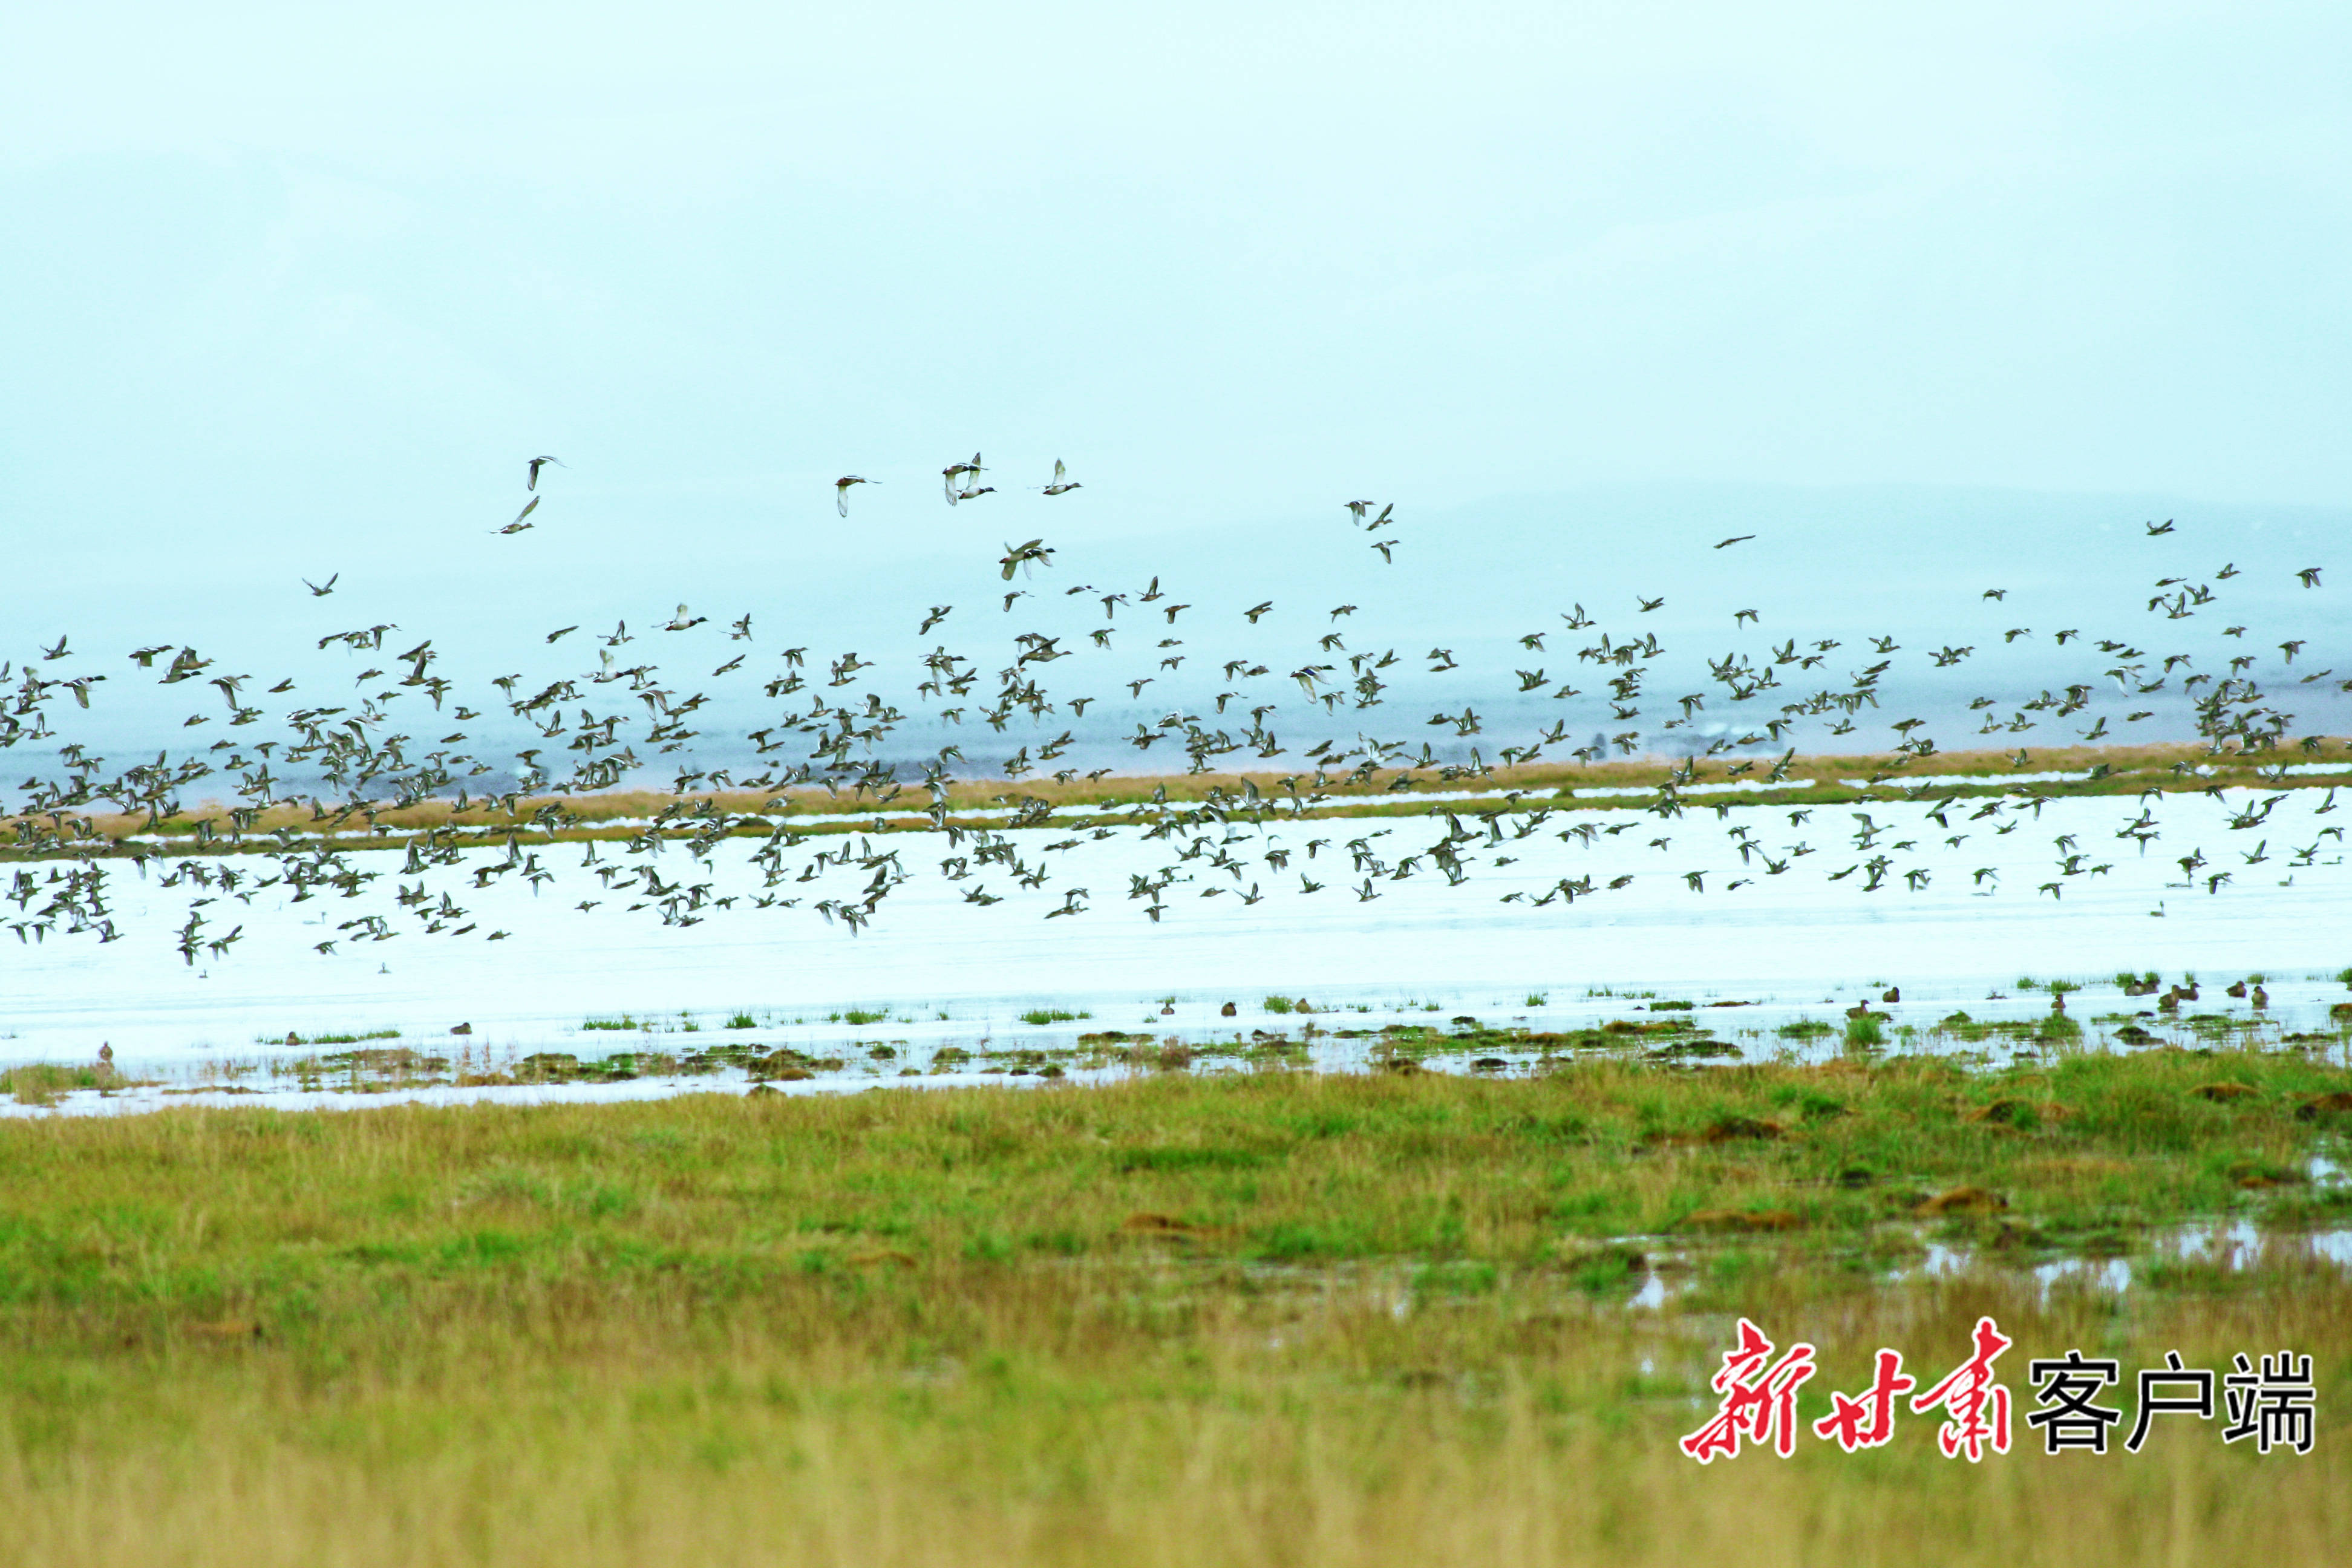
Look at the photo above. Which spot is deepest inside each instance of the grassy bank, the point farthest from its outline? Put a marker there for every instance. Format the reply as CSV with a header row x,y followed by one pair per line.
x,y
1262,1318
1304,791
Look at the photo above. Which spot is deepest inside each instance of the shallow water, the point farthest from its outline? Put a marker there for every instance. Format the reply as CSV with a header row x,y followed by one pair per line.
x,y
1793,945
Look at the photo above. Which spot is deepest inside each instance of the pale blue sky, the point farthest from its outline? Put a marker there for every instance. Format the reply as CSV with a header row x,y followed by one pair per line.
x,y
274,271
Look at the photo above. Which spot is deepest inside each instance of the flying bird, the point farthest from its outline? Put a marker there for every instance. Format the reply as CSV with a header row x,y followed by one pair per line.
x,y
841,490
321,590
2164,527
2310,575
954,472
518,525
530,481
1735,539
1061,485
1021,555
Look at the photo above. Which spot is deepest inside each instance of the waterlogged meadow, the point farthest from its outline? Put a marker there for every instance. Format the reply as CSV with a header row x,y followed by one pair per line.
x,y
2020,1024
876,1107
1270,1317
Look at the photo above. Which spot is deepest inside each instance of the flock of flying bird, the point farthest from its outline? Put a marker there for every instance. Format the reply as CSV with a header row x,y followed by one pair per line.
x,y
352,761
961,481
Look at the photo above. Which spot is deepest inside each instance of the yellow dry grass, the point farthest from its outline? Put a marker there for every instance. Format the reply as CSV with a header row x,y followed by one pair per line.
x,y
2129,769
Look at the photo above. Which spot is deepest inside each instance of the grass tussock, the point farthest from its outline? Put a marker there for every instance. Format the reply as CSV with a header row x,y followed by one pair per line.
x,y
40,1083
1262,1319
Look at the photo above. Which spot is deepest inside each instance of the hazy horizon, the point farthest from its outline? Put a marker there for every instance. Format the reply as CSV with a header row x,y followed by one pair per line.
x,y
276,276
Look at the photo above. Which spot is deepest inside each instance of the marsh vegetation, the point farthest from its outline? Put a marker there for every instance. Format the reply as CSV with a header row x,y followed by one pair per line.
x,y
1267,1318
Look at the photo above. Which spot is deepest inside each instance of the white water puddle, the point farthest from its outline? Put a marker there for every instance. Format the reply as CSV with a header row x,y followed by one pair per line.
x,y
2231,1246
1669,1270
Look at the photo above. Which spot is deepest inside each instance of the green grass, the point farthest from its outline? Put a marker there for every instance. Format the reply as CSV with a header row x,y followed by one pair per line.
x,y
1271,1316
2138,1142
623,1021
332,1039
1052,1016
742,1021
2058,1028
40,1083
1278,1005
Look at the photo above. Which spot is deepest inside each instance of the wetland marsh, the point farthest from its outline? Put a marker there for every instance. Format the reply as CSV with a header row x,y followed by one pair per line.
x,y
1270,1317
